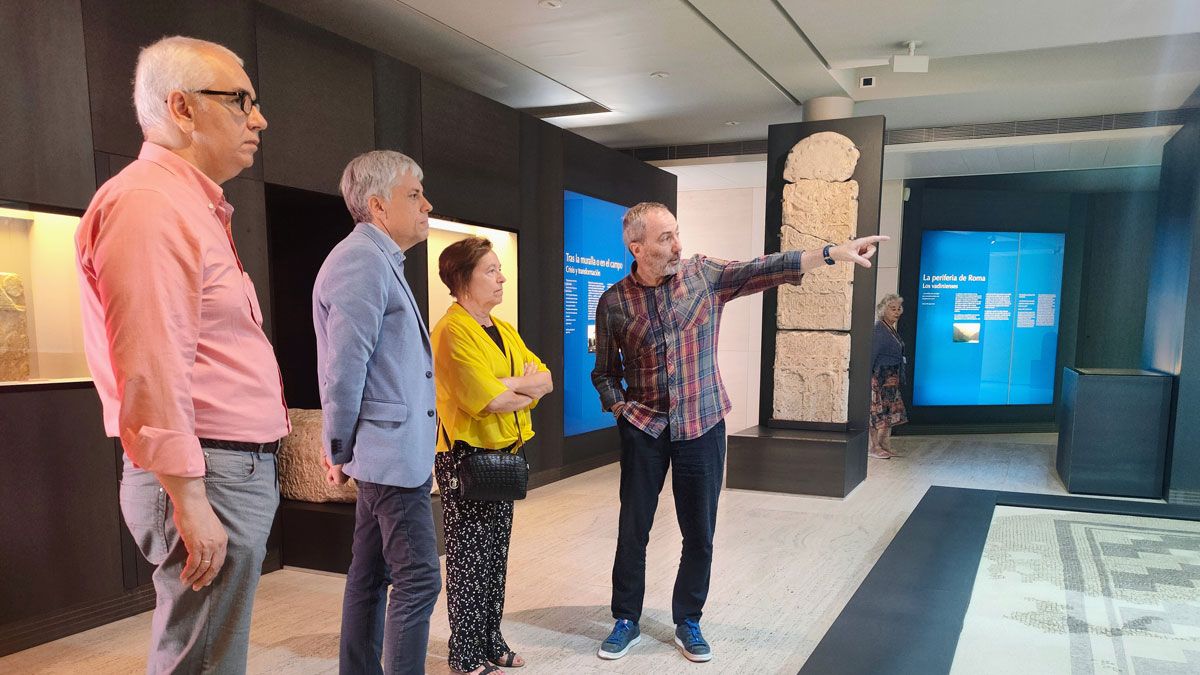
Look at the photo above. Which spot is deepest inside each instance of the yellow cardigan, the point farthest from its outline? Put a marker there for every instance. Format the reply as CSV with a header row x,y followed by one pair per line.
x,y
467,368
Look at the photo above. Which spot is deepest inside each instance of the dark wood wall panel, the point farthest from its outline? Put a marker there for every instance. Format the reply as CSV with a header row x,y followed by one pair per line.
x,y
116,31
250,235
540,262
1112,310
397,106
1167,287
471,151
303,227
47,137
318,97
62,527
1172,335
598,171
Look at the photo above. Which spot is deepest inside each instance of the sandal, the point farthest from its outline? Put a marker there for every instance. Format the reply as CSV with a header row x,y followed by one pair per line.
x,y
507,660
879,454
487,670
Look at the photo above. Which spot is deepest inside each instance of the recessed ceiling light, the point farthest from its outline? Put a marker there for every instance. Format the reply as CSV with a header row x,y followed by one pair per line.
x,y
660,74
732,123
550,4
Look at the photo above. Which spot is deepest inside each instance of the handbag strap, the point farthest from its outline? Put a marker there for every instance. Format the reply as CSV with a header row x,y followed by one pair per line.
x,y
516,420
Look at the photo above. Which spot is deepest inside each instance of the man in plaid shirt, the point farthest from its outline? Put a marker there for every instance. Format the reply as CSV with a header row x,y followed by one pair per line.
x,y
656,329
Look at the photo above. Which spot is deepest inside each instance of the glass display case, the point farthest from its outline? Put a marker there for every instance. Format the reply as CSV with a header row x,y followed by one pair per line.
x,y
442,233
41,334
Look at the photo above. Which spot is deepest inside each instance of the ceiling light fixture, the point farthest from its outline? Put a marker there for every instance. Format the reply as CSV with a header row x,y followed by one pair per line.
x,y
731,123
660,74
910,62
550,4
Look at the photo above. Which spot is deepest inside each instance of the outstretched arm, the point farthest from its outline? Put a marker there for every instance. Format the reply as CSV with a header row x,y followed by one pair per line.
x,y
735,279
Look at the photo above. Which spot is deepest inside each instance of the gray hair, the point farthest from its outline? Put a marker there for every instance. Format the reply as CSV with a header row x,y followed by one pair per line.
x,y
374,174
174,63
881,307
633,225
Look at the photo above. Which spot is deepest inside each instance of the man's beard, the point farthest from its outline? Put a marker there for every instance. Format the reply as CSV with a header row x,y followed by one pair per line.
x,y
671,267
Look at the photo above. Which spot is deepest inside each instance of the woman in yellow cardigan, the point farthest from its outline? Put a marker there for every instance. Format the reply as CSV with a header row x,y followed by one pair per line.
x,y
487,382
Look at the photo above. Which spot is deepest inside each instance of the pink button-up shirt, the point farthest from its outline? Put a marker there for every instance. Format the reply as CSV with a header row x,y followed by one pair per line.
x,y
172,327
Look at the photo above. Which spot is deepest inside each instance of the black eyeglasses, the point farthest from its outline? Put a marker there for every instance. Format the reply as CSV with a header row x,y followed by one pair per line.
x,y
244,101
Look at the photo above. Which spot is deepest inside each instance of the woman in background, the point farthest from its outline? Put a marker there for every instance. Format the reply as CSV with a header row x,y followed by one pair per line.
x,y
887,376
487,381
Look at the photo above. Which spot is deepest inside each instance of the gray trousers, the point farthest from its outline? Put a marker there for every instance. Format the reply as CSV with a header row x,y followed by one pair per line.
x,y
205,631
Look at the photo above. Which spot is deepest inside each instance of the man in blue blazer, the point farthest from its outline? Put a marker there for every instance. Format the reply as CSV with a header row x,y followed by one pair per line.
x,y
375,371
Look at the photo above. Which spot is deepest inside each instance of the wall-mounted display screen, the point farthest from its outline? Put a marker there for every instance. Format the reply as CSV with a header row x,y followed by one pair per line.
x,y
987,324
41,329
594,258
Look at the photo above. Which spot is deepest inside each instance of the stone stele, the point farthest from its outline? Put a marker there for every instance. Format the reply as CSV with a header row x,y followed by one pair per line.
x,y
823,300
301,473
812,376
824,210
827,156
14,329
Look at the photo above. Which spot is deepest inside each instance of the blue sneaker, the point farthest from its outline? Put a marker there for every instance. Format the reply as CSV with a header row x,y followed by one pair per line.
x,y
623,636
691,642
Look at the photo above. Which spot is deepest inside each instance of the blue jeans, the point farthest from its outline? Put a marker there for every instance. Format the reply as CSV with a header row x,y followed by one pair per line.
x,y
394,543
698,468
205,631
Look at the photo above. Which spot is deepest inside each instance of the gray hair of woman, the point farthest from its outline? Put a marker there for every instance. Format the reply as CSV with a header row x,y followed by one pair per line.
x,y
374,174
887,300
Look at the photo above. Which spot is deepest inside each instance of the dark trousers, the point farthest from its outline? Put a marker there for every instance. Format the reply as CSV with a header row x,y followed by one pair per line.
x,y
394,544
698,467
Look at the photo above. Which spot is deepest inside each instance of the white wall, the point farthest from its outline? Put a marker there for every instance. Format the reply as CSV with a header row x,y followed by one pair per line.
x,y
729,224
891,212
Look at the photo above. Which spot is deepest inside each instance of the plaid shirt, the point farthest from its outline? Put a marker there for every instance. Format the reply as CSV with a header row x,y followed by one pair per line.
x,y
662,340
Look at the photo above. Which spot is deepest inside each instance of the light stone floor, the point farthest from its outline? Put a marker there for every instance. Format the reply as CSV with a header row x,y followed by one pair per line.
x,y
784,566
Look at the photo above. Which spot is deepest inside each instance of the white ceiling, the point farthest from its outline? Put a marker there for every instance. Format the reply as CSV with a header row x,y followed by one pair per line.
x,y
1059,152
991,61
851,32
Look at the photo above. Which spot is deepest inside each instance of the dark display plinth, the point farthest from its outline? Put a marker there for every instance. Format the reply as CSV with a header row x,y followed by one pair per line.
x,y
1113,427
824,463
319,536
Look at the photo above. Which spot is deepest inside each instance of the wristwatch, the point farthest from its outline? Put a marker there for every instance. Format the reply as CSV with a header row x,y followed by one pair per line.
x,y
825,254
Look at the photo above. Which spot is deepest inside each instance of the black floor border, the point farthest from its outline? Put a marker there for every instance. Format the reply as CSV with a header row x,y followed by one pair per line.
x,y
906,616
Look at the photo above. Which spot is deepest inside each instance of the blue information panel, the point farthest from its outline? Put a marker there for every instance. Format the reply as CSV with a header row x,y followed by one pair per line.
x,y
987,326
594,258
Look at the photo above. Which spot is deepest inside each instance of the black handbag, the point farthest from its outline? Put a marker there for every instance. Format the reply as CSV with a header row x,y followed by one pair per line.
x,y
489,475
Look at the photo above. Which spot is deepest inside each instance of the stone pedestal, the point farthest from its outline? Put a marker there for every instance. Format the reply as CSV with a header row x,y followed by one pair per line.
x,y
1113,428
796,461
823,187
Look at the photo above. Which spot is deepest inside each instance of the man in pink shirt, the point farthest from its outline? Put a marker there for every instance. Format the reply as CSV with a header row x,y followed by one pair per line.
x,y
173,336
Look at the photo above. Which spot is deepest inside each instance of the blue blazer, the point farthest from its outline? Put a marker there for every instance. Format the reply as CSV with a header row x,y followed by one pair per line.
x,y
374,363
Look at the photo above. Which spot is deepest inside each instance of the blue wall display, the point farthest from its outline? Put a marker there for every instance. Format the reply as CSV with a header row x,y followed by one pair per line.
x,y
987,325
594,258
